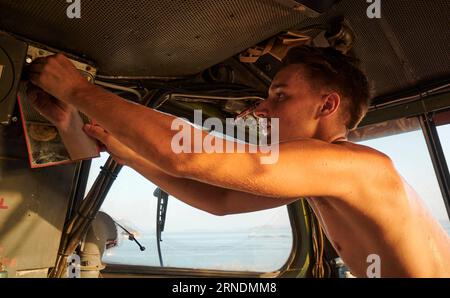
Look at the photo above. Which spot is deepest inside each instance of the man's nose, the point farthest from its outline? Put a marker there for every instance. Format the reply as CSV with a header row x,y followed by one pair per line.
x,y
261,110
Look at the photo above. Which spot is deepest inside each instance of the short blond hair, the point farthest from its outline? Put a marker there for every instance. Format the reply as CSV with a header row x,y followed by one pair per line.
x,y
331,68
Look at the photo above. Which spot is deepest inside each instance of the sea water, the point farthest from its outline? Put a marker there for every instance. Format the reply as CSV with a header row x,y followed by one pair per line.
x,y
233,250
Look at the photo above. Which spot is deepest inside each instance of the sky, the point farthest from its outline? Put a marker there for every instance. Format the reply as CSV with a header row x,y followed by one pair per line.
x,y
131,196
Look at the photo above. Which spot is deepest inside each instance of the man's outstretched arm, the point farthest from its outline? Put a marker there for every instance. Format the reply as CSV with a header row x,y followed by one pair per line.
x,y
209,198
303,168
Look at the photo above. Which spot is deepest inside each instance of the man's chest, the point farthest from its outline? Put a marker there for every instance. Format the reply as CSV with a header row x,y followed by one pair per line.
x,y
334,222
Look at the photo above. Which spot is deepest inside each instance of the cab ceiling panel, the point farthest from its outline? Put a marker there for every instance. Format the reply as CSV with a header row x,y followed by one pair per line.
x,y
151,37
407,46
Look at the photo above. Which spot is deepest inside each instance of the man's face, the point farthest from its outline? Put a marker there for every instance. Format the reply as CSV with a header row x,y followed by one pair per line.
x,y
292,100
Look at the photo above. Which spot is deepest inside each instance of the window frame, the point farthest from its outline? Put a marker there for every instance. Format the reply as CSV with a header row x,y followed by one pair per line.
x,y
437,157
297,263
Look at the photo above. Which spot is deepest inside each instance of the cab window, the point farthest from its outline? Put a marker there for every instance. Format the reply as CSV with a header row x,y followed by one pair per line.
x,y
404,142
257,242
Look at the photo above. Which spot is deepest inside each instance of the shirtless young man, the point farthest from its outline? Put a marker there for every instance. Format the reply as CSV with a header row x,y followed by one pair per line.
x,y
363,203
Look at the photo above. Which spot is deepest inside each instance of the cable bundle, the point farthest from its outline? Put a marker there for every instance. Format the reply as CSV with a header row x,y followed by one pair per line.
x,y
77,226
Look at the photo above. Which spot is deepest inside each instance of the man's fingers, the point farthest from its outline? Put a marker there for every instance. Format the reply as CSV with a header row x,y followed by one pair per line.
x,y
39,61
64,60
96,132
35,78
34,95
36,67
101,146
39,71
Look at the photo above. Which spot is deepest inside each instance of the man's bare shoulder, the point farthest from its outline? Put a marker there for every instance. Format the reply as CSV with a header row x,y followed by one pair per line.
x,y
356,151
366,153
356,170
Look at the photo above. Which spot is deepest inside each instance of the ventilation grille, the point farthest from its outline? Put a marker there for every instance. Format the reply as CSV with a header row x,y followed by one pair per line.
x,y
151,37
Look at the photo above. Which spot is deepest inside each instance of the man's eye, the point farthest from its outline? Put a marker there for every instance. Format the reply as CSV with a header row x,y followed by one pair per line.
x,y
281,96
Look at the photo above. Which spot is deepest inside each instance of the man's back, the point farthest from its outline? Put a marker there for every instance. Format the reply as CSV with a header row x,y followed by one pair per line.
x,y
393,225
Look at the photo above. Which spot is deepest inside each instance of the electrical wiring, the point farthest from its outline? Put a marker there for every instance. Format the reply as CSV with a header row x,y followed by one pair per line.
x,y
77,226
318,270
121,88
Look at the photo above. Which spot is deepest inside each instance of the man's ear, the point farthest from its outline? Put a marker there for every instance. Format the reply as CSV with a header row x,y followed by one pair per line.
x,y
330,104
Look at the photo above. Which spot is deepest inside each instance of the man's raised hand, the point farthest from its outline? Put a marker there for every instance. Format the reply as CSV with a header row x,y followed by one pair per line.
x,y
56,111
57,76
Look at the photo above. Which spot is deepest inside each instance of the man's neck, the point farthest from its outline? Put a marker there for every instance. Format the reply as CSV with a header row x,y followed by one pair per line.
x,y
331,135
330,138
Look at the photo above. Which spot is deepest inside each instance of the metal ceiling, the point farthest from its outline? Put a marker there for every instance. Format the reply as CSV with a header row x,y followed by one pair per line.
x,y
408,45
151,37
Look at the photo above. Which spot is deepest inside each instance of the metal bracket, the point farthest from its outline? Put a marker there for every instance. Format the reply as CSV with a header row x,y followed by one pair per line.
x,y
163,199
